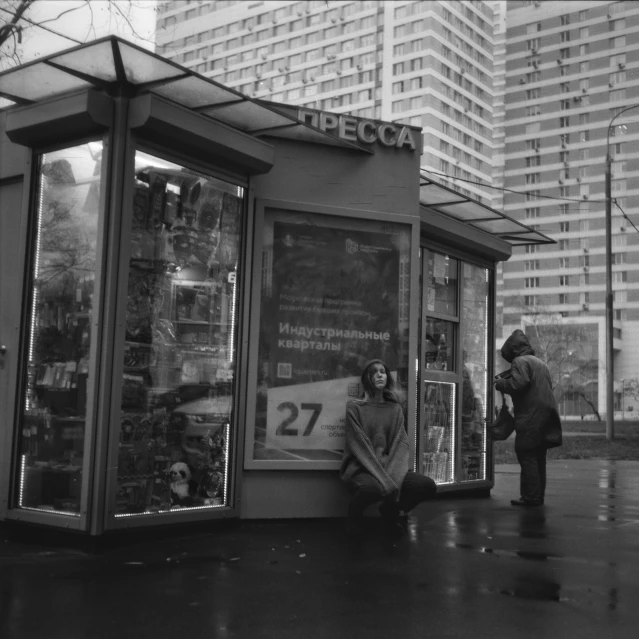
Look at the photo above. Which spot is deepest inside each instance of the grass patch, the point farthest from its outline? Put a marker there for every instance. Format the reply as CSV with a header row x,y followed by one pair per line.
x,y
623,447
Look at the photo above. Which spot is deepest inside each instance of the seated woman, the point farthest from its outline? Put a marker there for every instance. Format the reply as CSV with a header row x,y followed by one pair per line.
x,y
376,455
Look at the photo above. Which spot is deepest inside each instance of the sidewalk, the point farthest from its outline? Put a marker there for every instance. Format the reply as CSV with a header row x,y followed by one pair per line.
x,y
471,568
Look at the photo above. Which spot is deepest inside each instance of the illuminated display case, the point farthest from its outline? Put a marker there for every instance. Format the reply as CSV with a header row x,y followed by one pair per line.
x,y
178,375
454,366
54,424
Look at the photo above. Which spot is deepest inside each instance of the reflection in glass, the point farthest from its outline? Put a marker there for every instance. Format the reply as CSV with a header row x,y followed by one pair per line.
x,y
439,345
441,284
475,372
179,359
52,439
438,431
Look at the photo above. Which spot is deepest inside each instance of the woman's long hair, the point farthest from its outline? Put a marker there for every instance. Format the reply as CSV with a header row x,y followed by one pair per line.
x,y
389,393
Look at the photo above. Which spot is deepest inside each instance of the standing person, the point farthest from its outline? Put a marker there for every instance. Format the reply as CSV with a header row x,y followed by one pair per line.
x,y
537,423
376,455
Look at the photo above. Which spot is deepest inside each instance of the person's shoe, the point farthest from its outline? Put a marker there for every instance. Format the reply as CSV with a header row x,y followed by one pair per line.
x,y
526,503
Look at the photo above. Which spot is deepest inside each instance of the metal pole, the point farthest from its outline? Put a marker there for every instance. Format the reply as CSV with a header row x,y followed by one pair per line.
x,y
610,406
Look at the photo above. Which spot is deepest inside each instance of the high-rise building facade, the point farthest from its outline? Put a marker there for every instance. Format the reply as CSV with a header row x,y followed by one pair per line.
x,y
571,67
424,63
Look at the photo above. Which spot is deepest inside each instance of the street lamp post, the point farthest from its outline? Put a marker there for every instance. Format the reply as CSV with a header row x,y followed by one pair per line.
x,y
610,389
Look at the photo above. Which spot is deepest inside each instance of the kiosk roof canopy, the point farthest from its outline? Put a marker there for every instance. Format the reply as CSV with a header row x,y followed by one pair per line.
x,y
477,216
117,66
112,64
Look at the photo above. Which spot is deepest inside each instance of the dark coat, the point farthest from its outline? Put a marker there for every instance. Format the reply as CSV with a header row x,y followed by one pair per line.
x,y
537,422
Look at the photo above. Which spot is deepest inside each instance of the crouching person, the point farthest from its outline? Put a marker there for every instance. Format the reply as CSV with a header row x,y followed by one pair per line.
x,y
376,455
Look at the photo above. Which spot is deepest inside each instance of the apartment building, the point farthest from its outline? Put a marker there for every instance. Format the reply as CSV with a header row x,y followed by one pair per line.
x,y
428,64
570,69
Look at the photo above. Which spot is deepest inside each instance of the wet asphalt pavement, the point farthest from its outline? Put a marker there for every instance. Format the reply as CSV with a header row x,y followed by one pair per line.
x,y
468,568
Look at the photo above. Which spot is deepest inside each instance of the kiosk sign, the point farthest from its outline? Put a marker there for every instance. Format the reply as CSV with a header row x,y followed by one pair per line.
x,y
353,129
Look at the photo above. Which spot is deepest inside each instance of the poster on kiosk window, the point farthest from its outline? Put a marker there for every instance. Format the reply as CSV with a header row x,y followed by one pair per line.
x,y
333,292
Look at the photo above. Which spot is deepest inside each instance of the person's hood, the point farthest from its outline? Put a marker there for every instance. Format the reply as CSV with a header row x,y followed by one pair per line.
x,y
517,344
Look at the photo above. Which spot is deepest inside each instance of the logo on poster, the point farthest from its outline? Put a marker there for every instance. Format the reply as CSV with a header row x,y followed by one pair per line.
x,y
351,247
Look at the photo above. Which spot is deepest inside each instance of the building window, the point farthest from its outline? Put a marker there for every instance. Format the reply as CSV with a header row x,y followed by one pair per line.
x,y
530,300
563,245
564,121
617,25
534,160
618,60
531,282
583,49
563,298
619,258
564,54
532,110
584,136
533,94
564,20
564,227
564,36
532,265
532,248
564,262
584,32
531,145
564,280
533,212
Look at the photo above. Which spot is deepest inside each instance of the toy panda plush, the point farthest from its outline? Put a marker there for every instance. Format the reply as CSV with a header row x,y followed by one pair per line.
x,y
182,485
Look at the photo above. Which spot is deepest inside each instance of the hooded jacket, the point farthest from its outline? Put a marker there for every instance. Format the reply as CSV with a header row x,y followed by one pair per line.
x,y
537,420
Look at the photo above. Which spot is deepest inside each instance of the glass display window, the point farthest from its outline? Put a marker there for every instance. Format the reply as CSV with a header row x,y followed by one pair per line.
x,y
439,345
438,445
442,284
334,292
475,331
455,367
178,379
52,440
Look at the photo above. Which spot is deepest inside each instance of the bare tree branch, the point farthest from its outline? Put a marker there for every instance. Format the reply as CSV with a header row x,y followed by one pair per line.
x,y
7,29
60,15
128,21
13,14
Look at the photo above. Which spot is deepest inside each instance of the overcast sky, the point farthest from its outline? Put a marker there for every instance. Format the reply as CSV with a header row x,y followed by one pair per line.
x,y
89,21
